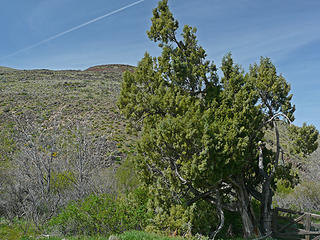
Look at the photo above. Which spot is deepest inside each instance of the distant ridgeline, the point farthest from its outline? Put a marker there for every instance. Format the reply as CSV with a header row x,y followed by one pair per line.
x,y
6,69
112,68
115,68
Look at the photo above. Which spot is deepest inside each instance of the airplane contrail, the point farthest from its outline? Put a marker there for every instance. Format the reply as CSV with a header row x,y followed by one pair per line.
x,y
72,29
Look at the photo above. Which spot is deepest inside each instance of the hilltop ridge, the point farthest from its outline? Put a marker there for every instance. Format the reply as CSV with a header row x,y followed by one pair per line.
x,y
111,68
5,69
96,68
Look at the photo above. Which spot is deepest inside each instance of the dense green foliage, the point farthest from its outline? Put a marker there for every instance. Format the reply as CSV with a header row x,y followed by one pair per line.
x,y
202,137
305,140
16,229
135,235
103,215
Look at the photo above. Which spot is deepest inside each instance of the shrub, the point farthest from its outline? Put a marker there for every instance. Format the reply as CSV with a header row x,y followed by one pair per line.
x,y
181,219
135,235
304,197
103,215
16,229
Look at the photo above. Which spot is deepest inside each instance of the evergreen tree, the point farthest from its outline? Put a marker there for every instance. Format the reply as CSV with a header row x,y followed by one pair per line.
x,y
201,138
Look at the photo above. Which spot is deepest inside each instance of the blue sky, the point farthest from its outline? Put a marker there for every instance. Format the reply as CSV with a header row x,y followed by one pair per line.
x,y
287,31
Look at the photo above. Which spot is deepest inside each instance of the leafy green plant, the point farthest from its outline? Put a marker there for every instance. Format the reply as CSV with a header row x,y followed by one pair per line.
x,y
16,229
136,235
62,181
127,179
103,214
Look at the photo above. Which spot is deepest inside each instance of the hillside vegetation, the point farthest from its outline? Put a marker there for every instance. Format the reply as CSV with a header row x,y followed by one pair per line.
x,y
6,69
70,117
76,96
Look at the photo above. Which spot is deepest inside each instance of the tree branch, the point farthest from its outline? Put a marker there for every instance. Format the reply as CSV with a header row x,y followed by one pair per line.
x,y
262,172
276,162
257,195
277,115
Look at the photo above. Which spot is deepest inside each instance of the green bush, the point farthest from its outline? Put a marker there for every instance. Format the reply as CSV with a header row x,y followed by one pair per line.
x,y
181,219
136,235
103,215
16,229
137,211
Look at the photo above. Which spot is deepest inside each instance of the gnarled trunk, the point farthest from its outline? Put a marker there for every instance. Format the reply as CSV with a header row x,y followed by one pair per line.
x,y
265,210
249,225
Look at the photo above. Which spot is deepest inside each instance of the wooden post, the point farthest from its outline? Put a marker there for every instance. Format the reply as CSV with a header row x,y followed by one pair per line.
x,y
307,225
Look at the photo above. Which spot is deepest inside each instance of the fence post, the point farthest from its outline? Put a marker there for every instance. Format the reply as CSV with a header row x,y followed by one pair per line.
x,y
307,225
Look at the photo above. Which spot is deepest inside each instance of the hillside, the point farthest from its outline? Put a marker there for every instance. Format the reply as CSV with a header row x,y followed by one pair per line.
x,y
80,93
76,95
6,69
111,68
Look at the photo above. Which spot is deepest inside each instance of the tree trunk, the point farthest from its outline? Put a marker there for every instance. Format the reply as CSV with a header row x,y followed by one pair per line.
x,y
267,192
221,215
265,210
247,224
250,228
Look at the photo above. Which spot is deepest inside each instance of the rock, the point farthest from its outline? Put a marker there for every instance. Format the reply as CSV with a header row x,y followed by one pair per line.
x,y
112,237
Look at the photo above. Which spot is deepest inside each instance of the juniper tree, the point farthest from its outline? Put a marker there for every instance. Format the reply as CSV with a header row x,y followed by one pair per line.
x,y
174,98
202,138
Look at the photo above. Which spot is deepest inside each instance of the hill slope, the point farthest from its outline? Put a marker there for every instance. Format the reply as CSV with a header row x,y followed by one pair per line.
x,y
6,69
111,68
76,95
